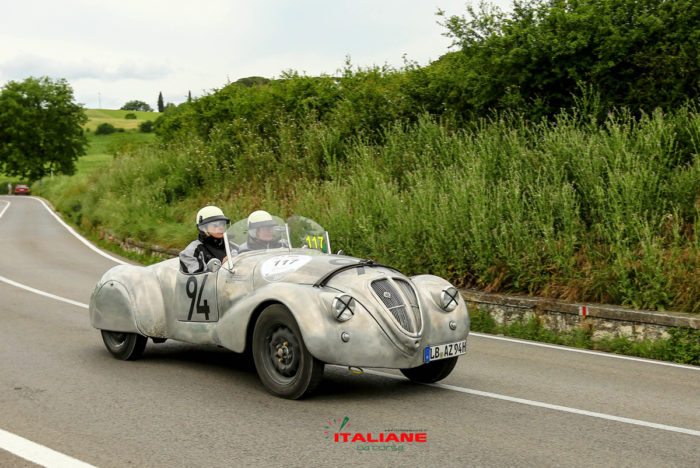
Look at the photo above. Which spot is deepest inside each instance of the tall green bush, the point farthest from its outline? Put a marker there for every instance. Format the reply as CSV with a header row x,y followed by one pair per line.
x,y
105,128
640,54
565,208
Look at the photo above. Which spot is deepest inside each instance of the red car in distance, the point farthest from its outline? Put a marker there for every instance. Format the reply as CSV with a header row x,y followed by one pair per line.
x,y
21,189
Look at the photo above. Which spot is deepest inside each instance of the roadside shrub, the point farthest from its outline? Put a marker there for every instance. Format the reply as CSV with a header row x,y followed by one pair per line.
x,y
105,129
564,208
146,127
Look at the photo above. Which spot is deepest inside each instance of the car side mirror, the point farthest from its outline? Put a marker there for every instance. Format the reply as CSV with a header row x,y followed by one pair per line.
x,y
213,265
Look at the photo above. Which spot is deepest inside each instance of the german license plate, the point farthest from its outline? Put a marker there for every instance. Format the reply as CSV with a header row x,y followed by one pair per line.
x,y
443,351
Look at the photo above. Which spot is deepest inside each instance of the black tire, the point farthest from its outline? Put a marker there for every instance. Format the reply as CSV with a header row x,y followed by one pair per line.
x,y
124,346
432,371
284,365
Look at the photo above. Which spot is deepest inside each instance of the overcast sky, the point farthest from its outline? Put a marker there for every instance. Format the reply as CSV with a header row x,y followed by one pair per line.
x,y
113,52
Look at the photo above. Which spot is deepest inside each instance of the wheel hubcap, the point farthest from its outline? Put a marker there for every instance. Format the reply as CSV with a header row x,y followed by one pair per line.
x,y
284,351
117,339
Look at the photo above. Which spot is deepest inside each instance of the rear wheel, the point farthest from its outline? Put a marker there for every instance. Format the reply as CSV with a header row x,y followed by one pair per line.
x,y
124,346
431,371
284,365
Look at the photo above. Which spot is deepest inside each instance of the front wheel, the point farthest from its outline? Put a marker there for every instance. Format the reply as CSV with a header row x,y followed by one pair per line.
x,y
431,372
124,346
284,365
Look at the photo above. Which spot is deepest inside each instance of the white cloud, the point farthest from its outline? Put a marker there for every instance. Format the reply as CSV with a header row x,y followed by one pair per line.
x,y
112,52
31,65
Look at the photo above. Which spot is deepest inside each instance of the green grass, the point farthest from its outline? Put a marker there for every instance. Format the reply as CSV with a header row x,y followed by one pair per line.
x,y
565,209
101,148
100,153
116,118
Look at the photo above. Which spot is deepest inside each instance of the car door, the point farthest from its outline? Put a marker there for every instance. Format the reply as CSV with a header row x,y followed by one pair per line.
x,y
195,298
235,282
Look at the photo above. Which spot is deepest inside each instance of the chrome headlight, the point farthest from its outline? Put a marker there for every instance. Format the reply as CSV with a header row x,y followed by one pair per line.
x,y
449,299
343,307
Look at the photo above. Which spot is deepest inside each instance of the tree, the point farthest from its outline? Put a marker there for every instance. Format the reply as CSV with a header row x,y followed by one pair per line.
x,y
105,129
189,96
137,106
40,128
639,54
146,127
161,106
253,81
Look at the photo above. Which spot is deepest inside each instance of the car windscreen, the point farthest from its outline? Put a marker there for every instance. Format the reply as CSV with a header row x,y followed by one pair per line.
x,y
297,232
306,233
238,232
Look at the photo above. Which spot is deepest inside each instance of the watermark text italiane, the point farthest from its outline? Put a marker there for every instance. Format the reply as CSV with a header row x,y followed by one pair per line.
x,y
402,437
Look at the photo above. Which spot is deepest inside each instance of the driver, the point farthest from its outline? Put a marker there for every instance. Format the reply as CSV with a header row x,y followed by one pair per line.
x,y
261,233
209,245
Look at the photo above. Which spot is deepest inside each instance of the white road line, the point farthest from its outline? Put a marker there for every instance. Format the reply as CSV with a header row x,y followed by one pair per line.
x,y
42,293
6,207
20,446
78,236
539,404
37,453
585,351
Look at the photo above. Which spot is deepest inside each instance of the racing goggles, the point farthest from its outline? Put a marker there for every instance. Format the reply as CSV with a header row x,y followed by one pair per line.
x,y
219,224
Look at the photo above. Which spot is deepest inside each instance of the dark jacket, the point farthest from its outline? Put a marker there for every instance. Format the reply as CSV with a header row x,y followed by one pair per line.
x,y
197,254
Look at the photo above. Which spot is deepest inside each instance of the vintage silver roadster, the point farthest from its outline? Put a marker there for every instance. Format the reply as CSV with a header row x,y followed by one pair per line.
x,y
294,308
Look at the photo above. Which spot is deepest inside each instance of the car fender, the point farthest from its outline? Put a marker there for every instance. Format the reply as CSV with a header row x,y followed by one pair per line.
x,y
322,334
128,298
437,327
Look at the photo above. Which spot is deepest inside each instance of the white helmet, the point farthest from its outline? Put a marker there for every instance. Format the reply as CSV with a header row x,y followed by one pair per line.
x,y
209,214
258,219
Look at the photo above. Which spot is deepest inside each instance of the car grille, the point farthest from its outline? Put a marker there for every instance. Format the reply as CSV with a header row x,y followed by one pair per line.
x,y
410,294
404,307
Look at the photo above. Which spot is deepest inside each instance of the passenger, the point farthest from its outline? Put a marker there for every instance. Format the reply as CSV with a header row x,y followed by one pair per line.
x,y
209,245
262,233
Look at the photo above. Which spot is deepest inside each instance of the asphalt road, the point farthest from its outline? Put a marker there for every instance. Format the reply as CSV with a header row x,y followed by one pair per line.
x,y
507,403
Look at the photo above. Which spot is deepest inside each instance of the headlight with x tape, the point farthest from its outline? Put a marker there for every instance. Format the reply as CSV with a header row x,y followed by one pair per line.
x,y
449,299
343,307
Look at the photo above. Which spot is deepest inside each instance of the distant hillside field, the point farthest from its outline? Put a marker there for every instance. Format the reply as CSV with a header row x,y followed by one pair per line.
x,y
116,118
101,148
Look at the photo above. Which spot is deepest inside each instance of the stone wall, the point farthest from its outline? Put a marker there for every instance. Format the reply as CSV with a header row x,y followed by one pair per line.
x,y
603,320
133,245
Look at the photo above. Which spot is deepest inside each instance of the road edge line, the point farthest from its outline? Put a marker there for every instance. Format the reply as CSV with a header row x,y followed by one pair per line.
x,y
42,293
583,351
37,453
6,207
78,236
564,409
